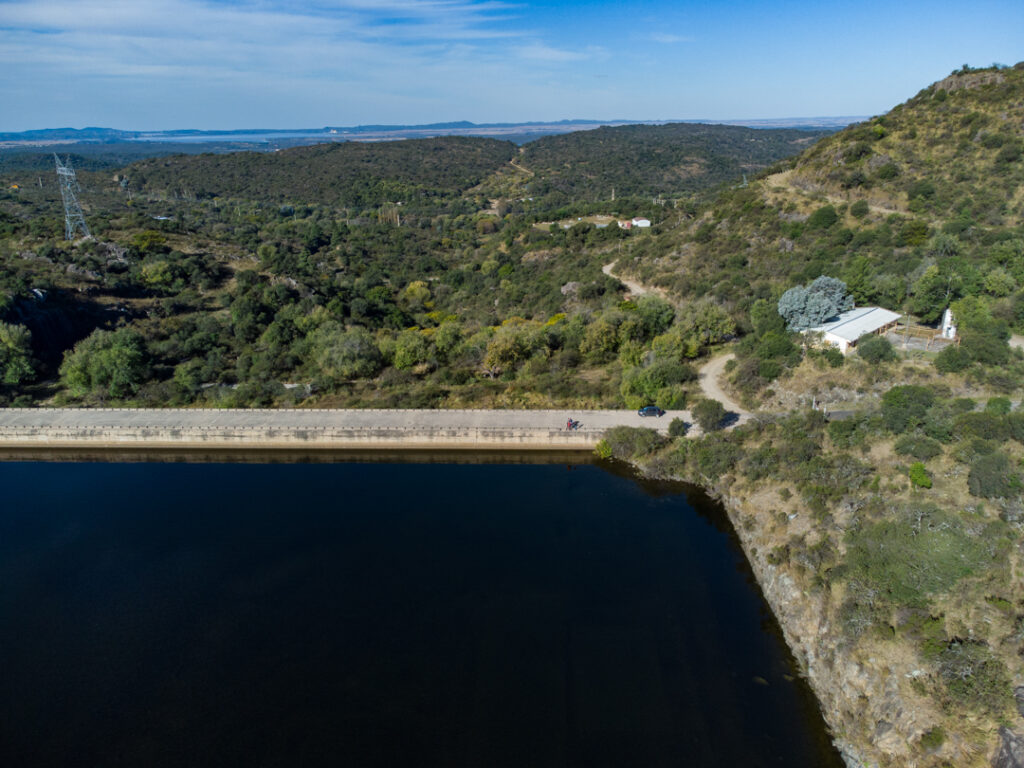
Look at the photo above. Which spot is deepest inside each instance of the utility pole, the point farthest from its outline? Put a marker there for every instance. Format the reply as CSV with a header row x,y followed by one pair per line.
x,y
74,219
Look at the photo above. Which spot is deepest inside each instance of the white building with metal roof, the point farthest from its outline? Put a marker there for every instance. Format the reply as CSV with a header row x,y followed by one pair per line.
x,y
843,331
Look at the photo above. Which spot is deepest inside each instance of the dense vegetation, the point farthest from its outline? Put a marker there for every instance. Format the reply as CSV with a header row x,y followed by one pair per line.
x,y
912,209
414,272
670,161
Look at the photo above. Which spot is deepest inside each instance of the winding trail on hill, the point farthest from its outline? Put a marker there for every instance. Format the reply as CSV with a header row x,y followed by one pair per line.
x,y
712,370
635,288
710,386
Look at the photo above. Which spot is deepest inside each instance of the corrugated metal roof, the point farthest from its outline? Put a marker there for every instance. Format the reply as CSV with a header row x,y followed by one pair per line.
x,y
854,323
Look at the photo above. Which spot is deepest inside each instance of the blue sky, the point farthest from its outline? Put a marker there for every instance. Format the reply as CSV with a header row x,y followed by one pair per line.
x,y
162,64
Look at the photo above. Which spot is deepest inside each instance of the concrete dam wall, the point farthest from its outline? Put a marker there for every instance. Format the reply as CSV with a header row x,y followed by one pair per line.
x,y
311,428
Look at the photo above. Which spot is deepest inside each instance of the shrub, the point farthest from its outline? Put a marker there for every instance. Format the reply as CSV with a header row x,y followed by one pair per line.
x,y
859,209
823,218
975,677
875,349
1000,406
991,477
677,428
988,426
932,740
985,346
919,551
633,442
114,362
715,455
904,407
919,475
918,446
603,449
709,414
952,359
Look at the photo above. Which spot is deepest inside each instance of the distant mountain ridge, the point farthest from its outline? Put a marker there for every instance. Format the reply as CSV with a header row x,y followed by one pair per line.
x,y
460,127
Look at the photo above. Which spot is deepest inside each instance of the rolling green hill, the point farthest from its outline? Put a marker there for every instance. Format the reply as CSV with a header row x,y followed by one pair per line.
x,y
672,160
344,174
936,182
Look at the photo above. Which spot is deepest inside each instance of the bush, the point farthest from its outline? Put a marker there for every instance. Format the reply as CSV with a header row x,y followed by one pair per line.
x,y
633,442
709,414
932,740
859,209
918,446
986,347
975,677
991,477
952,359
919,475
905,407
677,428
1000,406
823,218
715,455
988,426
603,449
110,362
920,551
875,349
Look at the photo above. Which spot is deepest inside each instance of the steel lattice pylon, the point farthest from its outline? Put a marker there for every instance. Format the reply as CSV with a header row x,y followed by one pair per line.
x,y
74,219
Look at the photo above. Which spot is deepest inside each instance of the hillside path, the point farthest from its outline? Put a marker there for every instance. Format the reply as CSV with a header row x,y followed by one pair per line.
x,y
782,181
710,386
635,288
1017,342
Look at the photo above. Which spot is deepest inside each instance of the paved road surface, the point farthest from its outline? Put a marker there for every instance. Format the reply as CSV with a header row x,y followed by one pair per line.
x,y
298,418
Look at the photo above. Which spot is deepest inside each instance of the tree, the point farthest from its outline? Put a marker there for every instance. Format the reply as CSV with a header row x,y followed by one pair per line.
x,y
15,354
345,354
765,317
110,362
806,307
875,349
709,414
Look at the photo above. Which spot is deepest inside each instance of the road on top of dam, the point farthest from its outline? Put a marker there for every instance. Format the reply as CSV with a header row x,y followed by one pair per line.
x,y
302,418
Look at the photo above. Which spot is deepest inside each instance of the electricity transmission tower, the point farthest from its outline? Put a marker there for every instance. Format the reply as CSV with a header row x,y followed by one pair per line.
x,y
74,219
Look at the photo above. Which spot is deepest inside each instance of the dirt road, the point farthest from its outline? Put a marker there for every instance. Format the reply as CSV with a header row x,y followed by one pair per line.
x,y
710,386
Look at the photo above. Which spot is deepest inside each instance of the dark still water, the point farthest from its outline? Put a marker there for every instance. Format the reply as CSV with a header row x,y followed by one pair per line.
x,y
355,614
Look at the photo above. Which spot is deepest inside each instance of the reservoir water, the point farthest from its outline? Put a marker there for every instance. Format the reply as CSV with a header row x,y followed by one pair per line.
x,y
383,614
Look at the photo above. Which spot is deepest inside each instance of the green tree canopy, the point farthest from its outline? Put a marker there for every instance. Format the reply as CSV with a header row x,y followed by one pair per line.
x,y
805,307
106,362
15,354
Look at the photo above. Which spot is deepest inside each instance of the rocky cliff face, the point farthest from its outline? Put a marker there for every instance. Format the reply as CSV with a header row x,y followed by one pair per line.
x,y
866,692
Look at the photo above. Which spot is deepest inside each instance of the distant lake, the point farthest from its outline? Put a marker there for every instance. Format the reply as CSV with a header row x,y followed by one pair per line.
x,y
232,137
383,614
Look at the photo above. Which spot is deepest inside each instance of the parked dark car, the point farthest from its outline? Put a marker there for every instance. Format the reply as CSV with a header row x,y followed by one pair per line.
x,y
651,410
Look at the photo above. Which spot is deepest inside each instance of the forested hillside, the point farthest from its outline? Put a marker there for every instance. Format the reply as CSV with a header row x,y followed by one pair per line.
x,y
348,174
418,272
670,161
913,208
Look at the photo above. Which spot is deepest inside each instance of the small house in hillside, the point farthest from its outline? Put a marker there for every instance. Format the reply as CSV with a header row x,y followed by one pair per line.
x,y
843,331
640,222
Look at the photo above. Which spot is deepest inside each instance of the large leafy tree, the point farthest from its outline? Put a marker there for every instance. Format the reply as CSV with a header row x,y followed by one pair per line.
x,y
106,362
15,354
804,307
